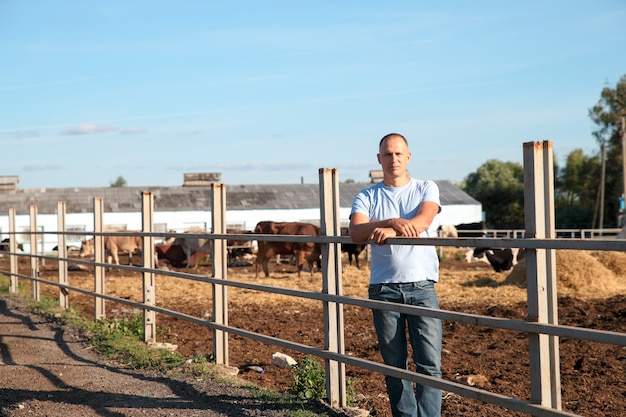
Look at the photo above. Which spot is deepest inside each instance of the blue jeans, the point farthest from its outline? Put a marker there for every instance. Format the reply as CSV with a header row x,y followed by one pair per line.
x,y
425,338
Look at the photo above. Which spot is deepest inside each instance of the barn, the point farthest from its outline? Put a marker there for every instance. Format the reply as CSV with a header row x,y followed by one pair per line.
x,y
180,208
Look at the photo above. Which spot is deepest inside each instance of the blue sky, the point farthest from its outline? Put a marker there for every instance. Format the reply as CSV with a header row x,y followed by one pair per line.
x,y
269,92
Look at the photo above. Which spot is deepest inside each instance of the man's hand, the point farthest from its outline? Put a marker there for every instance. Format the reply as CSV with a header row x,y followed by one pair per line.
x,y
380,234
404,227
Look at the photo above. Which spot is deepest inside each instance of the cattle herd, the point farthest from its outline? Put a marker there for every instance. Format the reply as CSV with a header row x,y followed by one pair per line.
x,y
188,249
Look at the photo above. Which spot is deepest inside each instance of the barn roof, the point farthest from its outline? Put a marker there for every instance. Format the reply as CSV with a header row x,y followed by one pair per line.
x,y
180,198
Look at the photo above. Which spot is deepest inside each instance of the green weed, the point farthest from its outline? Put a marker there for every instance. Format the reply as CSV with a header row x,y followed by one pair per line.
x,y
309,381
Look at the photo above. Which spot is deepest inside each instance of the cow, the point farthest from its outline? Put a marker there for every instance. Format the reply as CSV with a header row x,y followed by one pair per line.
x,y
193,245
68,248
113,246
448,230
5,245
169,240
238,248
352,249
500,259
309,251
477,229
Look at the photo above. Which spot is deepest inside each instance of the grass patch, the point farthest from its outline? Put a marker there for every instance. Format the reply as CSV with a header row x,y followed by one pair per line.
x,y
122,339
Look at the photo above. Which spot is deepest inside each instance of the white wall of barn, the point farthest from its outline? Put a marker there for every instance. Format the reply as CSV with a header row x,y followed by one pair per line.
x,y
457,214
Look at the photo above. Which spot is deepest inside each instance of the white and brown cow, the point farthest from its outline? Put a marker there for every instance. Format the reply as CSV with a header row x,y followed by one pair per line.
x,y
113,246
194,245
238,248
309,251
500,259
5,245
448,230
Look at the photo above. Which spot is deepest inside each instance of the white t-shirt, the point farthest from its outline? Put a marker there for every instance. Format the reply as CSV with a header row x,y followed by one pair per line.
x,y
400,263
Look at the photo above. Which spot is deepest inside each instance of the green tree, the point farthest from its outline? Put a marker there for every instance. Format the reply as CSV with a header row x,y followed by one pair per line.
x,y
607,114
119,182
576,190
499,186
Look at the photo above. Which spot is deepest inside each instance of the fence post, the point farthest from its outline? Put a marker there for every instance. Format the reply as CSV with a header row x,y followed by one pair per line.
x,y
98,250
12,257
553,315
34,262
331,284
541,271
219,262
148,259
62,254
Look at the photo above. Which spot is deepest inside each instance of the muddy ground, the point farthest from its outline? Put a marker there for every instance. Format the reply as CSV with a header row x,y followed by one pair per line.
x,y
592,294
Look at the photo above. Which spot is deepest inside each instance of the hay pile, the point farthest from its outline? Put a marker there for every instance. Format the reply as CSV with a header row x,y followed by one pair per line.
x,y
582,273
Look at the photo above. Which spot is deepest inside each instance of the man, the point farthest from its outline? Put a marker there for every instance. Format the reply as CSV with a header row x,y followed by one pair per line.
x,y
402,206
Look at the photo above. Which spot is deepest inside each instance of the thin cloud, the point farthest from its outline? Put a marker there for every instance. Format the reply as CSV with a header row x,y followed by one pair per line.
x,y
133,131
89,129
250,166
42,167
25,134
262,166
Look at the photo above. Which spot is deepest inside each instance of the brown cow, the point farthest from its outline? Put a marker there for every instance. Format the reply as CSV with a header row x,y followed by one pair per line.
x,y
113,246
309,251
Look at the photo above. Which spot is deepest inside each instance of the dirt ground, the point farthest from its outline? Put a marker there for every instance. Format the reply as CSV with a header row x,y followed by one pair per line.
x,y
592,288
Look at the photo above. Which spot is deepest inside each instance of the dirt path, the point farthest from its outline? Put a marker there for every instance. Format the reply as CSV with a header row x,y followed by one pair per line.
x,y
45,370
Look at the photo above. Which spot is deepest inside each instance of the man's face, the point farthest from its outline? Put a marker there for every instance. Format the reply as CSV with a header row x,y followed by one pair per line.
x,y
394,156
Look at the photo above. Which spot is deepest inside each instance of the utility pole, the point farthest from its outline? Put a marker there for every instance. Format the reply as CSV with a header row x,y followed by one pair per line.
x,y
623,211
602,179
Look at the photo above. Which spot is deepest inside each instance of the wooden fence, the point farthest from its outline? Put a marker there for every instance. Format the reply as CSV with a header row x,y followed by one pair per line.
x,y
539,240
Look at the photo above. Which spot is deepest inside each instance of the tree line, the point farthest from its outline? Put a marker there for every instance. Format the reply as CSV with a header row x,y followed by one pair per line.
x,y
588,188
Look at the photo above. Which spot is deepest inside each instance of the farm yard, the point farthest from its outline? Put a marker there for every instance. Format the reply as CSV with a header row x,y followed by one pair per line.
x,y
592,288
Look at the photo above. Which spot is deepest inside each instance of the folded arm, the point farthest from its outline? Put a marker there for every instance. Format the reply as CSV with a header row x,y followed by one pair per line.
x,y
362,229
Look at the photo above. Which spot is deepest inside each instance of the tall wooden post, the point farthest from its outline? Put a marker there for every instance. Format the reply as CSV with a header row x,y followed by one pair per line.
x,y
34,261
149,261
219,261
62,254
98,249
13,258
331,284
541,273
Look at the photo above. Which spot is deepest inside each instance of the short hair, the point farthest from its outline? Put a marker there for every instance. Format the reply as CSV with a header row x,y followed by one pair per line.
x,y
391,135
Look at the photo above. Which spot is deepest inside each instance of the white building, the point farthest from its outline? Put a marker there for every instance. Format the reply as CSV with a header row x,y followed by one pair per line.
x,y
188,206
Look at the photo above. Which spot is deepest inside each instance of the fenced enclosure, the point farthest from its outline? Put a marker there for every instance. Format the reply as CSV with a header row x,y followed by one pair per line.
x,y
541,326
